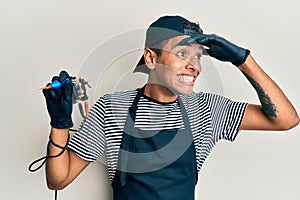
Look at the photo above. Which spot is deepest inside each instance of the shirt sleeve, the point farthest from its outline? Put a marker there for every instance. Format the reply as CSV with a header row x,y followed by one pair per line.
x,y
226,116
89,142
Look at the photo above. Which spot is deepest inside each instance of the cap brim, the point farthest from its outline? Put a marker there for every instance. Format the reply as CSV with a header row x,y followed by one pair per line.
x,y
141,66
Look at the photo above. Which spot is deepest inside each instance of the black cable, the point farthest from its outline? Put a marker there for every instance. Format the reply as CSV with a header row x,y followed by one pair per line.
x,y
55,195
45,158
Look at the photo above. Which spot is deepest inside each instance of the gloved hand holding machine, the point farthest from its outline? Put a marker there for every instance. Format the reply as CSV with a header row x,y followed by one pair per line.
x,y
60,95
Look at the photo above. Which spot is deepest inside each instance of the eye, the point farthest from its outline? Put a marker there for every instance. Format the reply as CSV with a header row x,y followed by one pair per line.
x,y
198,56
181,53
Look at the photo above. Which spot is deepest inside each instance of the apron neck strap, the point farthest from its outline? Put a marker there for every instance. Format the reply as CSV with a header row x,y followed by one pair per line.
x,y
140,91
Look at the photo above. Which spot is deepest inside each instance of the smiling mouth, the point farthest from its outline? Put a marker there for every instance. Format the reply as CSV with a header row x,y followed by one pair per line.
x,y
186,79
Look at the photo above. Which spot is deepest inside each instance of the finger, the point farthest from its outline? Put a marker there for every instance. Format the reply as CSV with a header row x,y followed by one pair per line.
x,y
67,90
50,94
204,39
54,78
63,75
187,41
45,92
56,91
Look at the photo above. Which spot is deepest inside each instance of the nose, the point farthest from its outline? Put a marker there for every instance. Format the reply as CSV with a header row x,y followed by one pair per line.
x,y
193,66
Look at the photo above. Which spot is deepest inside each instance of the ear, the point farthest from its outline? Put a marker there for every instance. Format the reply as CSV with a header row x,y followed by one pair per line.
x,y
150,58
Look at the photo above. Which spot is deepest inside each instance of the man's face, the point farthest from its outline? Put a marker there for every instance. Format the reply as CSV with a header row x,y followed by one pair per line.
x,y
178,66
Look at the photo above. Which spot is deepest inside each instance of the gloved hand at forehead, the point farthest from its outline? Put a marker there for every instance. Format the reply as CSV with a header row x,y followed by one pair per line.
x,y
220,48
59,102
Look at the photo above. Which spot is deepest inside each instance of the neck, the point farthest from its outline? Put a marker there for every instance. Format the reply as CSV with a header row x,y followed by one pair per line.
x,y
159,93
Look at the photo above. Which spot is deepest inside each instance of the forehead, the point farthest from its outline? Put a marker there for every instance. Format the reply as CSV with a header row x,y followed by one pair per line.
x,y
175,41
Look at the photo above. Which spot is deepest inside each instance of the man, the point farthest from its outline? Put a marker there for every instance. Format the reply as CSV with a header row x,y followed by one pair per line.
x,y
156,138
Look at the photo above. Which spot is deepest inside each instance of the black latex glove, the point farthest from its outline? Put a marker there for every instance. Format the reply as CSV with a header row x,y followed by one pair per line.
x,y
59,102
220,48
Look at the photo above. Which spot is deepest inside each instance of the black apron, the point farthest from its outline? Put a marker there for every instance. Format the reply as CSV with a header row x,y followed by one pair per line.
x,y
155,164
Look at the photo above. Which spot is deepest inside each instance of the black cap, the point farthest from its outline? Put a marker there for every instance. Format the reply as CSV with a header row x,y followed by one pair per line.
x,y
164,28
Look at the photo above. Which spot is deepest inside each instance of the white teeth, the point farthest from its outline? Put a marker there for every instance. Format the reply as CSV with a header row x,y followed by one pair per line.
x,y
186,78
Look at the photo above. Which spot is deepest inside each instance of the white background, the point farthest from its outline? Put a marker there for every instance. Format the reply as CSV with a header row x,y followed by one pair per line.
x,y
39,38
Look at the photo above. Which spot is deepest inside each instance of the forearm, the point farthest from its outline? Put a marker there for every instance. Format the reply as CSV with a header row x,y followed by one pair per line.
x,y
274,104
57,169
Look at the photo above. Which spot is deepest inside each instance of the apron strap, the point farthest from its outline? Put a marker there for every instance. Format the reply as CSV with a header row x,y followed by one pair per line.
x,y
133,108
130,121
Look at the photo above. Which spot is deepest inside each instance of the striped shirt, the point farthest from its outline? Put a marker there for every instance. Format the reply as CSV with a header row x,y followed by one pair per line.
x,y
212,118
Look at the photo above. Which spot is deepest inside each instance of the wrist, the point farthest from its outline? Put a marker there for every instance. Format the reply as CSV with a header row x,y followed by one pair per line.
x,y
59,131
242,55
58,145
64,123
248,64
59,136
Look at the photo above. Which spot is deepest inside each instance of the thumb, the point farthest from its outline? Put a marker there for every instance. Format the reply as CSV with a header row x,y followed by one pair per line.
x,y
50,94
206,52
67,90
